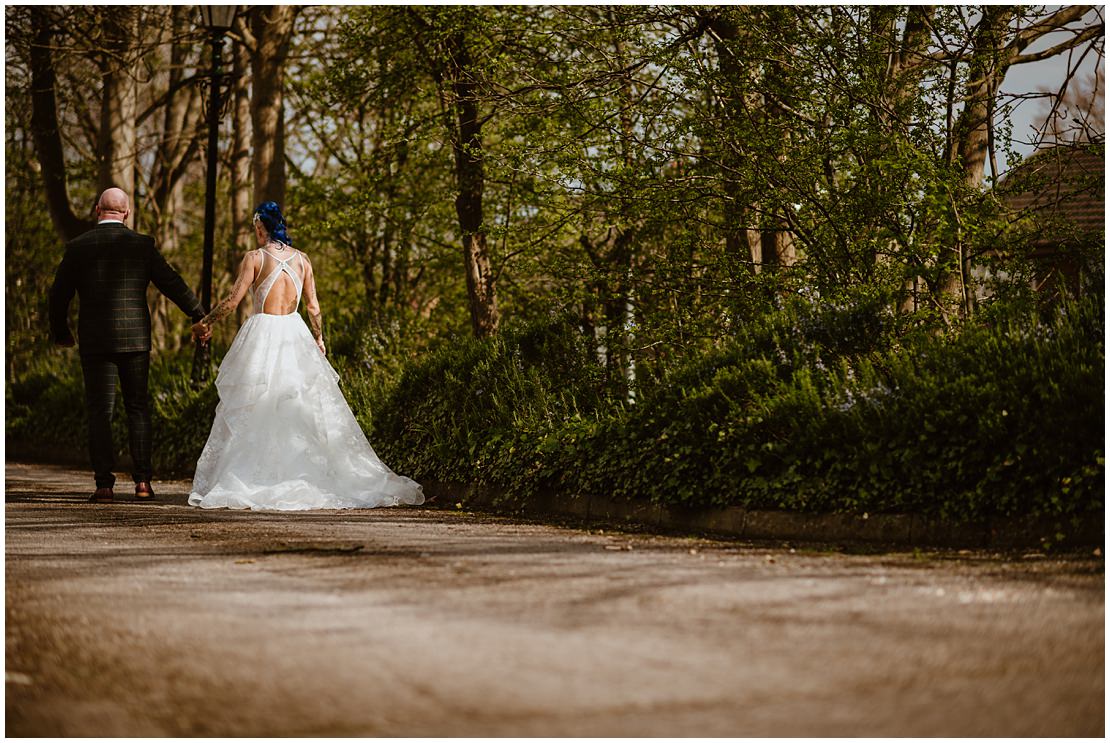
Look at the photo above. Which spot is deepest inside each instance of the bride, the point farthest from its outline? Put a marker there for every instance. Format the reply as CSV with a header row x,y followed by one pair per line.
x,y
283,437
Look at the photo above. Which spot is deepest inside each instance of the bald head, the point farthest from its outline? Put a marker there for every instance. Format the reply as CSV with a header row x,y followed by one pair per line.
x,y
113,204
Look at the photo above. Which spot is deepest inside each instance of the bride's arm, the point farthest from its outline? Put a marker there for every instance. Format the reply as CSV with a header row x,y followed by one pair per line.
x,y
312,306
248,268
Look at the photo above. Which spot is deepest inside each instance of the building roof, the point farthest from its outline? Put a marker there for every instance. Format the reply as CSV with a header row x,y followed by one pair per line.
x,y
1062,188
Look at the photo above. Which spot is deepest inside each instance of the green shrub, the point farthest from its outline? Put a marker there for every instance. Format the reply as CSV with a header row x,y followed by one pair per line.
x,y
46,413
802,411
454,414
796,413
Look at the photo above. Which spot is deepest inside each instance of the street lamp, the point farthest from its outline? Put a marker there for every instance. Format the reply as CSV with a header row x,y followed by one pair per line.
x,y
217,19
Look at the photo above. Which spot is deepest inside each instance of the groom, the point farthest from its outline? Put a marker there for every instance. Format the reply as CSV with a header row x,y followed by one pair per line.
x,y
110,267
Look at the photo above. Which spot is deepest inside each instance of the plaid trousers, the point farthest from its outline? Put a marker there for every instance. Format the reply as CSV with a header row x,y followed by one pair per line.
x,y
101,371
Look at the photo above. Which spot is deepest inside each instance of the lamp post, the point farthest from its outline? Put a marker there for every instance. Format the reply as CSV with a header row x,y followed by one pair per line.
x,y
217,19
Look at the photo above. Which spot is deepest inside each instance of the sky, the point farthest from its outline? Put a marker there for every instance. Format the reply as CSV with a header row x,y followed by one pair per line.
x,y
1048,74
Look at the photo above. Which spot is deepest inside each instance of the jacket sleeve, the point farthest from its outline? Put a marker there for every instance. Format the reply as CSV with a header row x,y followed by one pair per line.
x,y
61,294
170,283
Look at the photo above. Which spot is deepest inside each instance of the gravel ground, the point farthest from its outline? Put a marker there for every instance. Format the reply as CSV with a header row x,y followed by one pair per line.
x,y
137,619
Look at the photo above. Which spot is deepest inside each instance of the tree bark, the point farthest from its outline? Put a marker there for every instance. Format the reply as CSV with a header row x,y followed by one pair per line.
x,y
271,28
179,140
985,74
118,140
904,57
777,240
776,246
994,51
391,246
239,157
403,240
167,323
44,127
178,144
470,178
742,240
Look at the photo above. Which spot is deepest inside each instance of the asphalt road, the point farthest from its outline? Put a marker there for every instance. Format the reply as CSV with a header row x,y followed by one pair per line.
x,y
158,619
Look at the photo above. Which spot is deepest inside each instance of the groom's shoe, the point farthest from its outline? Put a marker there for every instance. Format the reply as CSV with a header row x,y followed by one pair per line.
x,y
102,495
143,491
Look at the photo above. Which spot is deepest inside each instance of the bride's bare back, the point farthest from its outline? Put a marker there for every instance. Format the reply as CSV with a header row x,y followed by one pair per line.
x,y
261,266
284,294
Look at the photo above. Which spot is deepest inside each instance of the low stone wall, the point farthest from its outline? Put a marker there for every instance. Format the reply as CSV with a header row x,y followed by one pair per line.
x,y
893,529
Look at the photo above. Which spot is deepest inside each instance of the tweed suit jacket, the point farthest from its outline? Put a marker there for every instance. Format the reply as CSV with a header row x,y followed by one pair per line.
x,y
109,268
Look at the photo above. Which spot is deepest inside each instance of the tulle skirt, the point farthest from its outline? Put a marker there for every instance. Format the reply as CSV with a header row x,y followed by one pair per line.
x,y
284,437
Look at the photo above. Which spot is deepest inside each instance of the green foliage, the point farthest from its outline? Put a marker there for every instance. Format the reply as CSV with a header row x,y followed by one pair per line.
x,y
181,416
46,415
793,414
816,408
45,410
639,167
456,414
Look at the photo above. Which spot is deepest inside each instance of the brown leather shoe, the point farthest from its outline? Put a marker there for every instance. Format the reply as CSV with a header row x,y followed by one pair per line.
x,y
102,495
143,491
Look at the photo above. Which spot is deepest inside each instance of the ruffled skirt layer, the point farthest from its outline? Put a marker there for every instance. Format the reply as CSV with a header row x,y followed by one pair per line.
x,y
284,437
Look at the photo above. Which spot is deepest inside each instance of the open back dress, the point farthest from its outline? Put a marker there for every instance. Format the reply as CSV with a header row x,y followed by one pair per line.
x,y
284,437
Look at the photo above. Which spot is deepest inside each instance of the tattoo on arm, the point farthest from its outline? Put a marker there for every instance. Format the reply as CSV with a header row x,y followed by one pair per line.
x,y
316,325
238,291
312,305
219,312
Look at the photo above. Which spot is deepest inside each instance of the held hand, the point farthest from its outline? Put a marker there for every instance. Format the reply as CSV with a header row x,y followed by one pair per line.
x,y
320,345
201,332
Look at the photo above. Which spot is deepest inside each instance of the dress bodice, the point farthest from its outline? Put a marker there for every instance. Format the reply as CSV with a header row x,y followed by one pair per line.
x,y
263,290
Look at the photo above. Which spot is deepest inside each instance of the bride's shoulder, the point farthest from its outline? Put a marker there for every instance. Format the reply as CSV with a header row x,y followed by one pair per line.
x,y
251,258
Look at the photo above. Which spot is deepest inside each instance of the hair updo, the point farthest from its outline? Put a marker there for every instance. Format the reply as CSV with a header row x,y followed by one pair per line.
x,y
269,214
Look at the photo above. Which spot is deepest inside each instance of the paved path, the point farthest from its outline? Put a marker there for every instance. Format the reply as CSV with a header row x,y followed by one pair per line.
x,y
157,619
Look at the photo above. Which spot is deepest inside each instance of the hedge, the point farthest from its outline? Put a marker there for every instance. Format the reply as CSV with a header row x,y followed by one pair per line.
x,y
818,409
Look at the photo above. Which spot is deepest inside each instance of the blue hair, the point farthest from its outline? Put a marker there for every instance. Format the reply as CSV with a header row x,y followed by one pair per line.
x,y
269,214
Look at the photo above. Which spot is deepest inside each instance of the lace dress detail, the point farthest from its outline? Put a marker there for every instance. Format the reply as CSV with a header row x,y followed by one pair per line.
x,y
283,437
263,289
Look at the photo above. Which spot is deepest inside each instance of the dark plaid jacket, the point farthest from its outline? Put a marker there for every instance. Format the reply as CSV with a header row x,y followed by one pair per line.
x,y
110,267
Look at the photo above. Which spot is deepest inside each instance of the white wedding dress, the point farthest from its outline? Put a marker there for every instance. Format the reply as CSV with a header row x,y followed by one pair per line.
x,y
284,437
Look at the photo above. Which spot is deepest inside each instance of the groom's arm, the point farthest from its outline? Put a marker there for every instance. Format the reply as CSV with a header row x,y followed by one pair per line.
x,y
170,283
61,294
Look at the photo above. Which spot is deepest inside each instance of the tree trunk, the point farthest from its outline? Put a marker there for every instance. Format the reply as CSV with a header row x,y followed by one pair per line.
x,y
118,141
400,271
44,128
777,240
386,258
388,287
239,157
986,69
271,27
470,177
776,246
995,48
625,243
178,144
166,322
742,240
179,140
984,76
901,87
761,247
